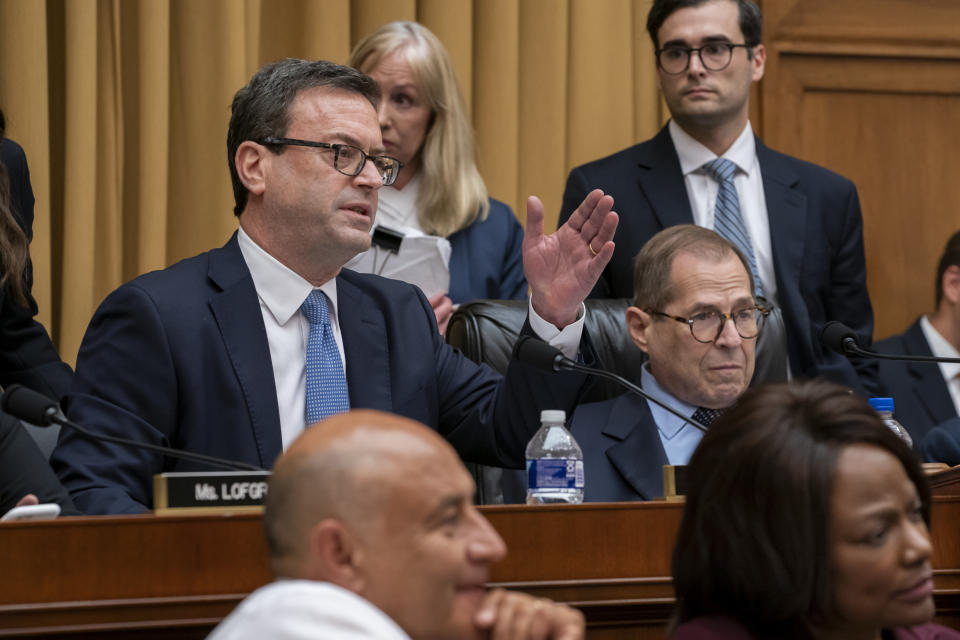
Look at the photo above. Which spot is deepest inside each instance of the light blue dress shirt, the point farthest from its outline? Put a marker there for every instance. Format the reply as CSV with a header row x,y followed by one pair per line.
x,y
678,436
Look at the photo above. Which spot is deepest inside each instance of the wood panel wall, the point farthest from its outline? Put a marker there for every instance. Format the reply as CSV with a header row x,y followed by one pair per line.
x,y
871,90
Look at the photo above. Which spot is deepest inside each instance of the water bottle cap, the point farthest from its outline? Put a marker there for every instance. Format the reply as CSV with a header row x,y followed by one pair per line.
x,y
882,404
553,415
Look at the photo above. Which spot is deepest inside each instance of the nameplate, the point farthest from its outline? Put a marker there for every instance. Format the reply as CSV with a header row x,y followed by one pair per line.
x,y
674,481
204,492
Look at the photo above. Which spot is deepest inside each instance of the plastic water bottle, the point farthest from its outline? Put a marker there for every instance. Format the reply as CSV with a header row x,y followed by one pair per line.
x,y
884,406
554,463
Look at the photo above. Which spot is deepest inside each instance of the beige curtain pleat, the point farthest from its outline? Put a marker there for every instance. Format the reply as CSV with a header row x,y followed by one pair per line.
x,y
367,15
24,97
496,97
123,106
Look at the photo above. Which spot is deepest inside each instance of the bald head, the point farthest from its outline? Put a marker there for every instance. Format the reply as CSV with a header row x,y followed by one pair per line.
x,y
341,469
382,506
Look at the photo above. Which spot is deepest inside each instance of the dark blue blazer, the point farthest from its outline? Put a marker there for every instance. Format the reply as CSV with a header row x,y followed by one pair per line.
x,y
180,357
920,396
942,443
26,354
486,261
623,455
815,227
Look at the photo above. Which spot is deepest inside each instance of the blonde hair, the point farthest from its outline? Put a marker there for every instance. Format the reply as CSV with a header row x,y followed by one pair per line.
x,y
452,193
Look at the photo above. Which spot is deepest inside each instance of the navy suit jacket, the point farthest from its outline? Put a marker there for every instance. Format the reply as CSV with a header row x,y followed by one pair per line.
x,y
920,396
486,260
623,455
26,354
815,227
180,357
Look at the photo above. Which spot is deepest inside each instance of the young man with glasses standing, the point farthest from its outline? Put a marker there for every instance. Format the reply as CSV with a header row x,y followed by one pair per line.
x,y
695,315
798,224
234,352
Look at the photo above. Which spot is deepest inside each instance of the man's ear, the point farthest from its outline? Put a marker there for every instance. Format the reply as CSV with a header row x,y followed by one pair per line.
x,y
639,323
950,284
249,161
758,63
334,555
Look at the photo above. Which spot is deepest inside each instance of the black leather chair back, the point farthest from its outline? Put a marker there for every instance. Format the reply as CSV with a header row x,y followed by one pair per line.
x,y
486,331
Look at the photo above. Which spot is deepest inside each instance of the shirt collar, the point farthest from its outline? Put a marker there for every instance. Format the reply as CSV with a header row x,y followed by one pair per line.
x,y
693,155
668,424
941,348
280,289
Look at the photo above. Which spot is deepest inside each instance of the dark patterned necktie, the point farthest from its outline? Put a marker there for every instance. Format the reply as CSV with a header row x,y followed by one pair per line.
x,y
707,417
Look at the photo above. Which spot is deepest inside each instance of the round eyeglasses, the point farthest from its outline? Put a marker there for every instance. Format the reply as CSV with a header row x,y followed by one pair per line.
x,y
714,56
347,159
706,327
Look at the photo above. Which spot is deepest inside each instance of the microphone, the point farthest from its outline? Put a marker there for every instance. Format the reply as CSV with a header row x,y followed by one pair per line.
x,y
26,404
543,356
838,337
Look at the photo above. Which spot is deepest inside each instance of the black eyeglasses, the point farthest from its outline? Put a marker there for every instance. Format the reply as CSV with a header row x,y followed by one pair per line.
x,y
706,327
714,56
347,159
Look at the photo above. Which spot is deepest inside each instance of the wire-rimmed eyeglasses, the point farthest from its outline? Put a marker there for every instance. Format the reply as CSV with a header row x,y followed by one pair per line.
x,y
348,159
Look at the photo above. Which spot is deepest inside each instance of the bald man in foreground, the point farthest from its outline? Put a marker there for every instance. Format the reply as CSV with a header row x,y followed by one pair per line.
x,y
372,533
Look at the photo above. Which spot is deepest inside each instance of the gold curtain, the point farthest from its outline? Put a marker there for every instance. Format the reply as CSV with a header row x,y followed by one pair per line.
x,y
122,107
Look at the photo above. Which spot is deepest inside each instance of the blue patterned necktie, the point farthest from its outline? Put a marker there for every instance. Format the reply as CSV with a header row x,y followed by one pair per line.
x,y
326,384
727,220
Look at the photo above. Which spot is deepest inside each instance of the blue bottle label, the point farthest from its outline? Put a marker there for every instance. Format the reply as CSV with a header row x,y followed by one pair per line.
x,y
555,473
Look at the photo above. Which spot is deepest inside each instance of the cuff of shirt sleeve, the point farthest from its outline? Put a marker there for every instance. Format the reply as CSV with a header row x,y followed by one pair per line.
x,y
567,340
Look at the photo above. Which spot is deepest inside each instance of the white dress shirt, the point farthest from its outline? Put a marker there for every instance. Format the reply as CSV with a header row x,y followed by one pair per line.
x,y
397,208
306,610
941,348
702,191
678,436
281,292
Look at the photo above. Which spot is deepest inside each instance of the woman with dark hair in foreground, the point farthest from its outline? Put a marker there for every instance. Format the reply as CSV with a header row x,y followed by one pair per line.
x,y
806,518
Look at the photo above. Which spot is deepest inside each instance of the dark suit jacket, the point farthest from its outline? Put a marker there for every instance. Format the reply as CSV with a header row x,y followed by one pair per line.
x,y
26,354
486,259
180,357
623,455
920,395
942,443
815,227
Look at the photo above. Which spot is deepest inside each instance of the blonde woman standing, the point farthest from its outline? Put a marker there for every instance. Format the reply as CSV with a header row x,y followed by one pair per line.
x,y
439,190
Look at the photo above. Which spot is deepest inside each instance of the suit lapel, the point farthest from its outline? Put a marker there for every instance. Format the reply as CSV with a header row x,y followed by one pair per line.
x,y
787,213
638,456
660,178
236,310
928,382
365,346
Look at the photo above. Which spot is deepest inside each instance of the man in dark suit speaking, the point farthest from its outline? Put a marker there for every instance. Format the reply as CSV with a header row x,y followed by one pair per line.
x,y
233,352
798,224
695,315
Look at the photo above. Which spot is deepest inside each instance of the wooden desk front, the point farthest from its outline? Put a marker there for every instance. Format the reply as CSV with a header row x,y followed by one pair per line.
x,y
175,577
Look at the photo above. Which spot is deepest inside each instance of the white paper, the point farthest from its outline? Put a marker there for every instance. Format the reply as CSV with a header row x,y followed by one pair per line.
x,y
422,260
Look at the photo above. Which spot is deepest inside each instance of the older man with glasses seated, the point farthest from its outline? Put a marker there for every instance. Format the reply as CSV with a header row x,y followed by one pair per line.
x,y
685,275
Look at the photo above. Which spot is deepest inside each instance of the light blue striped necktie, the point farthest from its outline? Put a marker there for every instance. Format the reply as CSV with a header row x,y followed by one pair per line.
x,y
326,383
727,220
